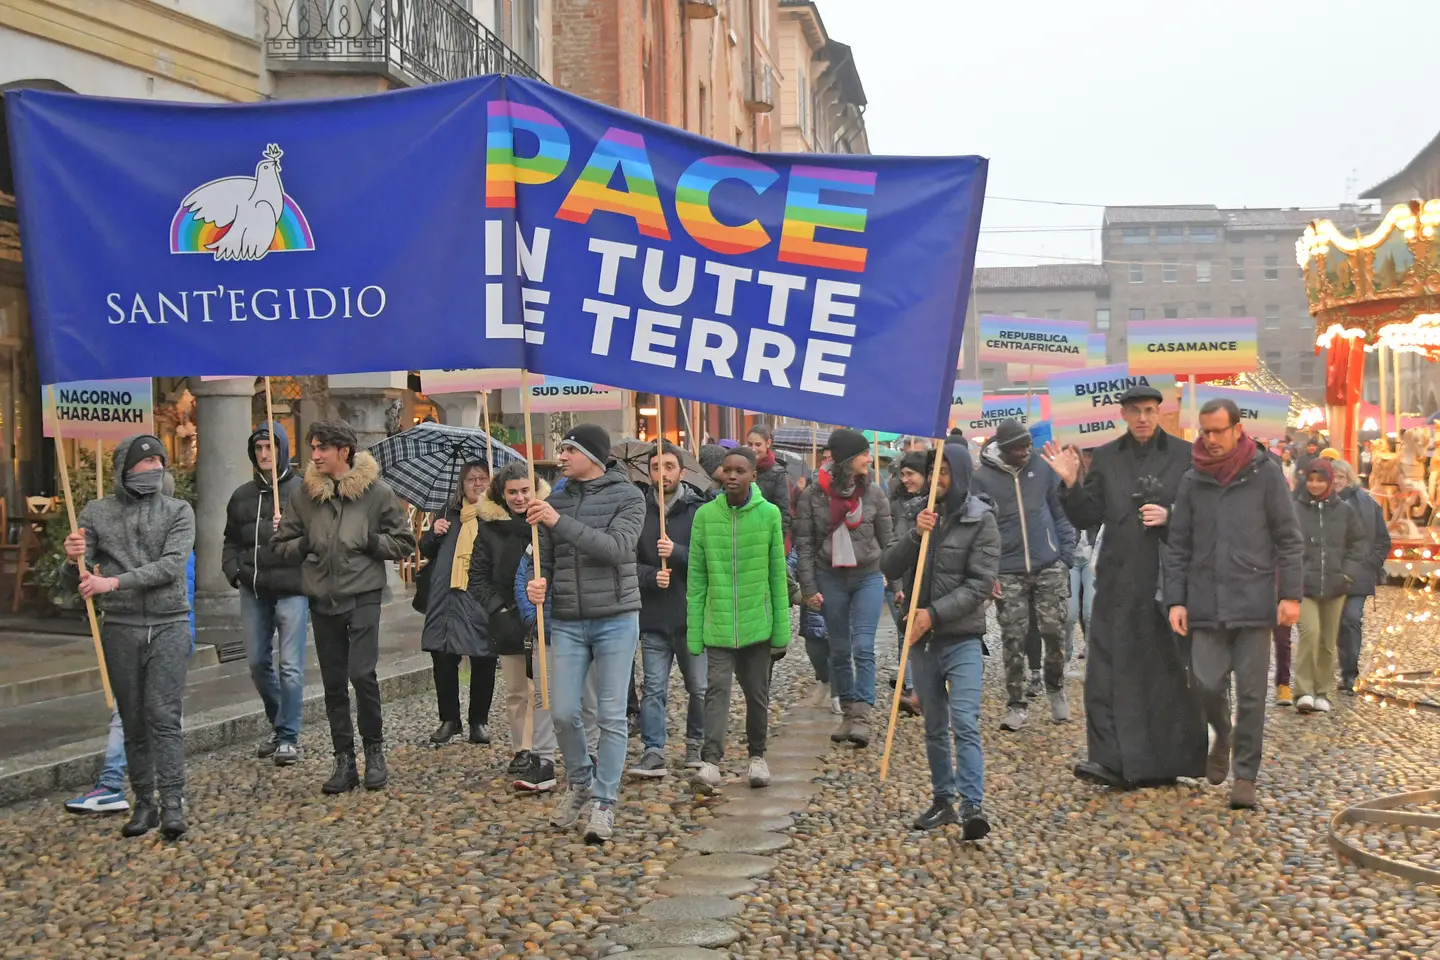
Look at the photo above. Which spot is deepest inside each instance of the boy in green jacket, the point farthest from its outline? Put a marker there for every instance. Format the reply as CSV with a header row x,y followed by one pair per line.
x,y
739,611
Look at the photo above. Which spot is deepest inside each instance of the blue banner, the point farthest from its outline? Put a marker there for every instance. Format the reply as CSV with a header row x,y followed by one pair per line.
x,y
485,223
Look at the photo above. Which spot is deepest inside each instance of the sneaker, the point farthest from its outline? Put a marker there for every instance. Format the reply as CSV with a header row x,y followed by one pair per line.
x,y
99,800
1059,706
707,779
759,772
976,825
939,814
1036,686
539,778
1015,718
602,823
1283,697
836,708
692,756
286,755
265,749
570,806
1305,704
520,765
651,765
1322,705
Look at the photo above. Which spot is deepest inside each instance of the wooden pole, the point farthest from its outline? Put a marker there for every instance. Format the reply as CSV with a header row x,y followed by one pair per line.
x,y
876,457
75,528
914,605
99,469
541,673
274,449
1194,408
490,444
660,481
696,429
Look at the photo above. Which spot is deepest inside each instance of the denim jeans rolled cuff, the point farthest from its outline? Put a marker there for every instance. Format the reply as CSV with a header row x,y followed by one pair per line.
x,y
112,773
852,613
280,680
659,651
948,682
605,646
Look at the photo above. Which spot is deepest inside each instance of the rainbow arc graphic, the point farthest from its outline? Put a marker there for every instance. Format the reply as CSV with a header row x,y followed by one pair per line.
x,y
189,234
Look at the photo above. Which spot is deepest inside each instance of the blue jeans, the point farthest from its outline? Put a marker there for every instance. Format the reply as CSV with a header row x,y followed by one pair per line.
x,y
282,691
1348,642
948,681
658,651
852,612
112,774
898,615
1082,598
608,646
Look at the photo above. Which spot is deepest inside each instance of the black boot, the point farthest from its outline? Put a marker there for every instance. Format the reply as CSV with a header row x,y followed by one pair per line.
x,y
447,730
344,777
144,817
479,733
172,818
377,774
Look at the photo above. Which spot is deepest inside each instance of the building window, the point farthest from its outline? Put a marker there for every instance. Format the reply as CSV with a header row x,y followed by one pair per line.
x,y
1238,310
1307,371
1202,309
1137,313
1169,234
1052,314
1137,273
1237,268
1172,311
1272,317
1102,318
1272,268
1021,312
1135,235
1202,271
1203,234
1170,271
1272,359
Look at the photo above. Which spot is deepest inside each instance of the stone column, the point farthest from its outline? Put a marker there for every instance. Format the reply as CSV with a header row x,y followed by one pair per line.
x,y
222,427
461,409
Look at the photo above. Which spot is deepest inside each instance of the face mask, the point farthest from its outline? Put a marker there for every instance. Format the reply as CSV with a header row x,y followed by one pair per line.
x,y
144,484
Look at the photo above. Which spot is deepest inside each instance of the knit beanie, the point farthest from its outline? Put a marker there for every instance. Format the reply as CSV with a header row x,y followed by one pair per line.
x,y
846,444
711,456
1010,432
591,440
141,446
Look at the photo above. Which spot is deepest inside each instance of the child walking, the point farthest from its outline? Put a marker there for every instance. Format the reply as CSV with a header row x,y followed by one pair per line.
x,y
738,611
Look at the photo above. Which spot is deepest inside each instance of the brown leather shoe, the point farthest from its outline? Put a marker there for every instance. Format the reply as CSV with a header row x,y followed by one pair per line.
x,y
1217,767
910,703
1242,795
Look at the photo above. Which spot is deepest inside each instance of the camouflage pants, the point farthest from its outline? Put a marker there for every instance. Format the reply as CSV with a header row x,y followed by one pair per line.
x,y
1047,592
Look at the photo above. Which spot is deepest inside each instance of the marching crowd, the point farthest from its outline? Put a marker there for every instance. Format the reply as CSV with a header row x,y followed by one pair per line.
x,y
1201,557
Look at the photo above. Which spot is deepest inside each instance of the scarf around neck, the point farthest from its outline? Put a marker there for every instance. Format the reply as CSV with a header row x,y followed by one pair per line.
x,y
765,461
464,545
1226,468
846,511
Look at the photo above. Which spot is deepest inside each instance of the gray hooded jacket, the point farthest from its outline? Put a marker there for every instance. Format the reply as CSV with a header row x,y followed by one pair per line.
x,y
144,542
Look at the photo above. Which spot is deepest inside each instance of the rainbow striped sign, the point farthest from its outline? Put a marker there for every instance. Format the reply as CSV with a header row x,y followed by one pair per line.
x,y
558,395
1059,344
1095,356
967,401
470,381
1265,415
995,407
1194,346
1085,404
108,410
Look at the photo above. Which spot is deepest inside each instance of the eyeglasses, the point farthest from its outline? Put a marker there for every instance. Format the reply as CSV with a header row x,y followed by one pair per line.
x,y
1217,434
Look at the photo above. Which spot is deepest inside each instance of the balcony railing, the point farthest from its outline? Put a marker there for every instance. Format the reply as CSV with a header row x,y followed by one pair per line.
x,y
761,97
424,41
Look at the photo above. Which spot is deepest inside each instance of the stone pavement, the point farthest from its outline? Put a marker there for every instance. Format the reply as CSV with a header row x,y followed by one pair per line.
x,y
448,863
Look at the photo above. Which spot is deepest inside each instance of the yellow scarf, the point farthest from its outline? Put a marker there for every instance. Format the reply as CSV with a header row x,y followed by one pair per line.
x,y
469,527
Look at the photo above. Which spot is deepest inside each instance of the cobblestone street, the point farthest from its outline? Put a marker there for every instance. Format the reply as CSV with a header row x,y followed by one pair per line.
x,y
447,862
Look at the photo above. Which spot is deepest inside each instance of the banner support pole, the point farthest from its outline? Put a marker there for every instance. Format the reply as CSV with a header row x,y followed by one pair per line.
x,y
660,481
541,672
489,444
1194,407
99,469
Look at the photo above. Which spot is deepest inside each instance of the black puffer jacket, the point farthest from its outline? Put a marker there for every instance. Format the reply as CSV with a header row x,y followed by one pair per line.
x,y
247,559
1334,545
1377,539
455,620
588,557
964,556
775,485
504,537
665,609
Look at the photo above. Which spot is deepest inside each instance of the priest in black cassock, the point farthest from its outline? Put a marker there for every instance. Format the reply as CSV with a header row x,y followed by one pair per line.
x,y
1143,718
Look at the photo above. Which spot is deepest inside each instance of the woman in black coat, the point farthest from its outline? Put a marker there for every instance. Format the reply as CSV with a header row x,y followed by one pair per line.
x,y
455,621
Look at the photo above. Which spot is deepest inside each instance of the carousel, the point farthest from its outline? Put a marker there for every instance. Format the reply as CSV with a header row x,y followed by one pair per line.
x,y
1380,293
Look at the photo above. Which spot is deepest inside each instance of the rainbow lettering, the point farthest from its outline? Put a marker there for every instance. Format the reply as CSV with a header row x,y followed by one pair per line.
x,y
804,213
190,234
692,203
592,191
503,169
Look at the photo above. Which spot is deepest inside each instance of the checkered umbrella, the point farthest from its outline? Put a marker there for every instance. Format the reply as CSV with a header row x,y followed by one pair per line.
x,y
423,463
800,438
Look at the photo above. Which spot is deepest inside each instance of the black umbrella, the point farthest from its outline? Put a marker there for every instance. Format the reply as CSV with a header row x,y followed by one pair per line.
x,y
423,463
635,456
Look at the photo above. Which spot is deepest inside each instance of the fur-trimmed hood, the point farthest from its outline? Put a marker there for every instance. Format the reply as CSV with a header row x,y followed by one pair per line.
x,y
361,477
492,512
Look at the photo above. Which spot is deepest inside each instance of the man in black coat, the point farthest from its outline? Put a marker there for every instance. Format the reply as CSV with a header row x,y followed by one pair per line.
x,y
271,599
663,615
1143,720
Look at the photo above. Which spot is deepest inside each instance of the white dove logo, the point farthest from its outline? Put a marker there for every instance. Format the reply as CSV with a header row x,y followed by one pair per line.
x,y
242,218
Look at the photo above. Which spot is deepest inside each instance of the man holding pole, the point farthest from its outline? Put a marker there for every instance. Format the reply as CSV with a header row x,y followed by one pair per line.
x,y
588,533
132,547
960,570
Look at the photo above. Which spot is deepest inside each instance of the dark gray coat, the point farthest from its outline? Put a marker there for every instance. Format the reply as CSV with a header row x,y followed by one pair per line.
x,y
1377,539
1234,551
588,557
455,620
1334,545
812,534
775,485
1028,511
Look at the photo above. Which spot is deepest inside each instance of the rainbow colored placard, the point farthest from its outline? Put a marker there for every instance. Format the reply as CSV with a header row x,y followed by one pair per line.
x,y
1095,356
1265,415
1181,347
1058,344
967,401
469,381
1085,404
995,407
558,395
108,410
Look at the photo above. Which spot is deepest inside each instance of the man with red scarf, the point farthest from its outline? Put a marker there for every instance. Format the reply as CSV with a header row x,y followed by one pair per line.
x,y
1232,572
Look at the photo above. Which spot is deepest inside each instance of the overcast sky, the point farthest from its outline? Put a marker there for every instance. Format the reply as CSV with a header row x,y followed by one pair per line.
x,y
1259,103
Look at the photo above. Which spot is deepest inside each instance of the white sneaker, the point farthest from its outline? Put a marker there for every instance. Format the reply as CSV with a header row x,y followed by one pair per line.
x,y
1306,704
570,807
835,707
602,824
759,773
707,779
1322,705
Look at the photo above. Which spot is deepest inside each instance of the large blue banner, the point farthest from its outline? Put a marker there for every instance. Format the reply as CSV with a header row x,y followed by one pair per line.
x,y
491,223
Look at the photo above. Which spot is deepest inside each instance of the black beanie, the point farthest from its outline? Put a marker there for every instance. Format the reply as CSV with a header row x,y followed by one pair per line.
x,y
846,444
1010,432
141,446
590,439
